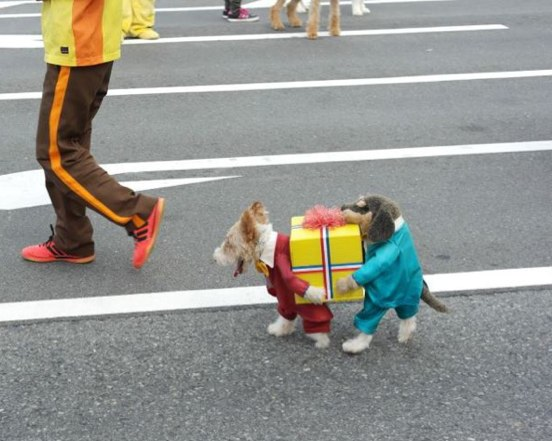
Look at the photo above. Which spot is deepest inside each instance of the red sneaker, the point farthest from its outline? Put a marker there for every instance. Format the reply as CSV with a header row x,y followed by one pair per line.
x,y
48,252
145,236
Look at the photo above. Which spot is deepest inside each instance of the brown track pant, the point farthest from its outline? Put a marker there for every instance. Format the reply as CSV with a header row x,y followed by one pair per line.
x,y
71,98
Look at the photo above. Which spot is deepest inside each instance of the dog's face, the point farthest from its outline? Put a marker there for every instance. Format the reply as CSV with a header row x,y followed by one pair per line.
x,y
239,247
375,215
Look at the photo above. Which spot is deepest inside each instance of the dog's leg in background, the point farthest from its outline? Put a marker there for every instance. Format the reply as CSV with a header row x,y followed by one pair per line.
x,y
359,8
357,344
293,18
281,327
334,26
321,338
314,20
275,20
406,329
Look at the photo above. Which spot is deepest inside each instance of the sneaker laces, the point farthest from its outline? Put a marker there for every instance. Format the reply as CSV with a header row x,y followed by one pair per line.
x,y
140,234
50,240
50,244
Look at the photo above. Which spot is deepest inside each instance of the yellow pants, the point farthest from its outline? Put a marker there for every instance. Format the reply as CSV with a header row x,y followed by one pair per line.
x,y
138,15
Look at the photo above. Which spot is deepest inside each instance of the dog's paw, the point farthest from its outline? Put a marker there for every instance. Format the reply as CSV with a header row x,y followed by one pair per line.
x,y
322,340
281,327
345,284
357,344
315,295
406,329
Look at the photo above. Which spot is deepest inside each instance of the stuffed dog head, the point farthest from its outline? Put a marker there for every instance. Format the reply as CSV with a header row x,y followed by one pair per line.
x,y
240,246
375,215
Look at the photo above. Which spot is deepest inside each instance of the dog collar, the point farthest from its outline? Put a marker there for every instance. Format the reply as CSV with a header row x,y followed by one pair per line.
x,y
261,267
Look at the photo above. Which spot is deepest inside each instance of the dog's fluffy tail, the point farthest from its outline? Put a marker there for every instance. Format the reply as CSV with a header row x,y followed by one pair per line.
x,y
432,301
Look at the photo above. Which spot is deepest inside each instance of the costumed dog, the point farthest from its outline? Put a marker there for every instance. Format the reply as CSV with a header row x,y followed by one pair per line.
x,y
252,241
391,275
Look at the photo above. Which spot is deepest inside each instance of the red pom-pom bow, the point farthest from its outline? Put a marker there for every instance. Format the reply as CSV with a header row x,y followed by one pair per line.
x,y
320,216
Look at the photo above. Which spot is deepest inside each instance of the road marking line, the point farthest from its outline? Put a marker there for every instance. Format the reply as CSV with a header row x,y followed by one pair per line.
x,y
255,295
29,190
327,157
290,35
24,41
358,82
9,4
26,189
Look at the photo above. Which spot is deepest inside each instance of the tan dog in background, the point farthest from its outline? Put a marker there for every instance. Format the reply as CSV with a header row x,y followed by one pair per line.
x,y
313,23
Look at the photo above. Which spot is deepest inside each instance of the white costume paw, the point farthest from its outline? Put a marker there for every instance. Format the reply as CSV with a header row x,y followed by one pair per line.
x,y
321,338
281,327
315,295
303,6
406,329
345,284
359,8
357,344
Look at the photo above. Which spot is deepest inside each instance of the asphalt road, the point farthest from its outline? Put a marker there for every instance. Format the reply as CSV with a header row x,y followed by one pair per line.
x,y
480,373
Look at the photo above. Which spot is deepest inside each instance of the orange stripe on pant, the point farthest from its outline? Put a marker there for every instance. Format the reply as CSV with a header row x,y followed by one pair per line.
x,y
55,156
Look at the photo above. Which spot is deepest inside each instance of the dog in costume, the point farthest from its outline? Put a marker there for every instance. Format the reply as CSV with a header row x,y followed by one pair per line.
x,y
252,241
391,275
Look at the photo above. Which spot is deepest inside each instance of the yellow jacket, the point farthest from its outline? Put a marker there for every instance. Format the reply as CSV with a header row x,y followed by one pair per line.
x,y
81,32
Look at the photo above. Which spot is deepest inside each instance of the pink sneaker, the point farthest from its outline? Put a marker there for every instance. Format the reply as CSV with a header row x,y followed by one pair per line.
x,y
145,236
48,252
243,15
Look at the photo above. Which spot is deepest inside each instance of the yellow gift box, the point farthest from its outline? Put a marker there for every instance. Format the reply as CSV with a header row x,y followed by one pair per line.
x,y
322,256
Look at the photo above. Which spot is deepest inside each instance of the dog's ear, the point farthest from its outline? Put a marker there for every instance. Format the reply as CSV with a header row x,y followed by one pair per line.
x,y
375,215
385,211
382,226
248,226
259,212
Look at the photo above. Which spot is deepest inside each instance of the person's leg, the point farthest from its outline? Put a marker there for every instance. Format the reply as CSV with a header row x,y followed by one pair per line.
x,y
77,97
73,231
143,19
234,6
71,99
127,17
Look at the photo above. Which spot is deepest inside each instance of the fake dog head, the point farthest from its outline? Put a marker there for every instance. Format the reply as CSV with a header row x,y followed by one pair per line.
x,y
375,215
240,246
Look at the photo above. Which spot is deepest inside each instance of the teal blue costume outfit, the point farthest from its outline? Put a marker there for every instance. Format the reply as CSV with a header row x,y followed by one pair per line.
x,y
392,278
